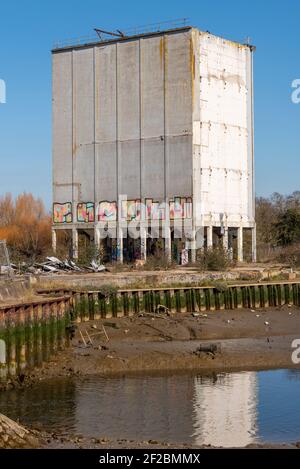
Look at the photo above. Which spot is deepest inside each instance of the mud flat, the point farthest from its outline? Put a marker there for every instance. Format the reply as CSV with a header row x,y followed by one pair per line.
x,y
214,341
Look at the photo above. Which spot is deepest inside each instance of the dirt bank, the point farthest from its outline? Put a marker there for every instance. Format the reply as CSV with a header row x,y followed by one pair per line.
x,y
244,339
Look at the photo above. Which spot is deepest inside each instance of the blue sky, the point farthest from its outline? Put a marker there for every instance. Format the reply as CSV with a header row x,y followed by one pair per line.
x,y
29,28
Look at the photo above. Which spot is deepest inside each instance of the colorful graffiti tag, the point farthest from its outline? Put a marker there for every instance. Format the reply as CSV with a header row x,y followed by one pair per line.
x,y
86,212
107,211
131,210
62,213
155,210
180,208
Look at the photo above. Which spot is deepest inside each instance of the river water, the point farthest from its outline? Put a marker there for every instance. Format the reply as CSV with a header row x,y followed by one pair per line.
x,y
225,409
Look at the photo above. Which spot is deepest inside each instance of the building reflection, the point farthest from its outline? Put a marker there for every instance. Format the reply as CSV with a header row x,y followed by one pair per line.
x,y
220,411
225,410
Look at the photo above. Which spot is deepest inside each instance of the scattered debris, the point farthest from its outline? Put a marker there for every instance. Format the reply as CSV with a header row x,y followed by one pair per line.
x,y
103,347
89,340
114,325
82,338
55,265
151,315
207,349
162,309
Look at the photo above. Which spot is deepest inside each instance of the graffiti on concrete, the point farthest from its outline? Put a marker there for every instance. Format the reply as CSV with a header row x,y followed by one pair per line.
x,y
131,210
155,210
62,213
85,212
180,208
107,211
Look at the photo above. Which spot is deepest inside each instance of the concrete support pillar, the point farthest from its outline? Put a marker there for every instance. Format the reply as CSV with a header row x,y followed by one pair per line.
x,y
168,243
193,247
54,240
209,236
240,255
75,243
97,238
120,245
253,232
225,238
143,234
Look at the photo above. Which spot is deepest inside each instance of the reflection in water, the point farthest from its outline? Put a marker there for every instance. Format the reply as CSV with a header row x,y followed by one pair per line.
x,y
225,410
229,409
134,407
47,405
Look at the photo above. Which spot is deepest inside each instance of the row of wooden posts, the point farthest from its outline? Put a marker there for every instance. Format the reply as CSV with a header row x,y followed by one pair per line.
x,y
89,305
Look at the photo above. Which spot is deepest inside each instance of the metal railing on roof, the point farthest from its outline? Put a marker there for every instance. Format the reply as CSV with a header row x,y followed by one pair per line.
x,y
135,31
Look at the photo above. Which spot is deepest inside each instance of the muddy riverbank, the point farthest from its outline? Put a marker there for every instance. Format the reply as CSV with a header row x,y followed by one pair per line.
x,y
242,340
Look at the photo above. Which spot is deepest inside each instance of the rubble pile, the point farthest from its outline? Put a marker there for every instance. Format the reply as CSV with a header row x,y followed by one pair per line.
x,y
55,265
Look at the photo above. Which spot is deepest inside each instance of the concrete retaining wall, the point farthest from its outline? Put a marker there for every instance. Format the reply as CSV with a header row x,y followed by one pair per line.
x,y
13,289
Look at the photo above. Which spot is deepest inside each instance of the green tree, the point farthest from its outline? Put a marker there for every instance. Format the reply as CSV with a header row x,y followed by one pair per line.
x,y
287,227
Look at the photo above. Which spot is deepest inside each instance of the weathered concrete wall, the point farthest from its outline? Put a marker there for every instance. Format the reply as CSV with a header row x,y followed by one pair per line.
x,y
13,289
222,138
161,117
122,120
150,278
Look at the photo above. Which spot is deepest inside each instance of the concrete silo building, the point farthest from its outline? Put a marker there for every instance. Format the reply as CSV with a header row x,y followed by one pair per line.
x,y
154,129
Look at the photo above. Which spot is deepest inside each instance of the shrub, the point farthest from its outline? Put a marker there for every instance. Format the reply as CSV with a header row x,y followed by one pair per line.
x,y
289,255
108,290
158,261
213,259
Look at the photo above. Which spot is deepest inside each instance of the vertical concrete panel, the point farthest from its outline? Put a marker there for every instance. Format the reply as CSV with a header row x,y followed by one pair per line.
x,y
196,115
129,168
223,129
250,125
152,118
83,125
128,91
178,84
152,87
178,117
153,169
105,93
106,171
128,115
62,126
106,123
